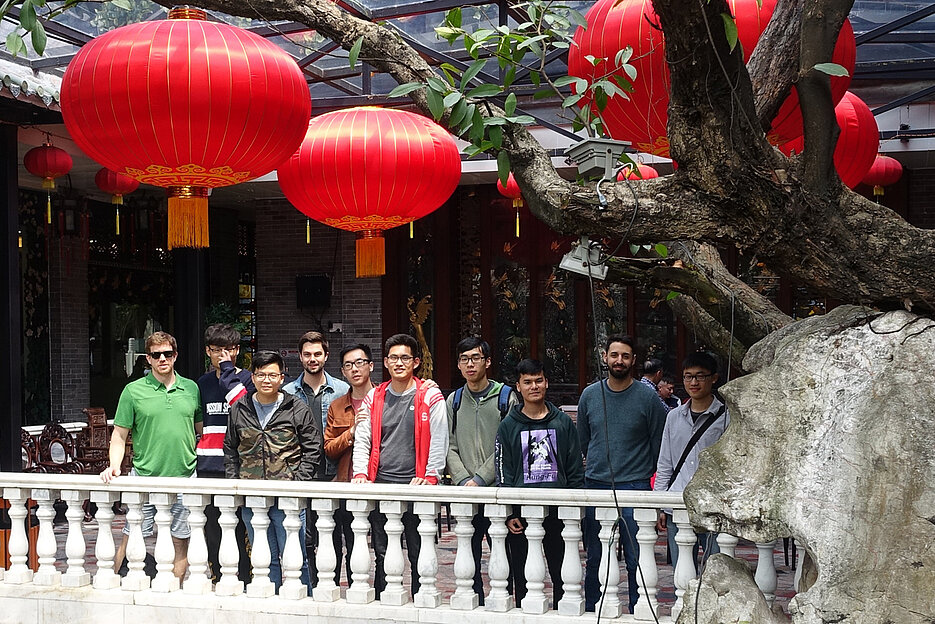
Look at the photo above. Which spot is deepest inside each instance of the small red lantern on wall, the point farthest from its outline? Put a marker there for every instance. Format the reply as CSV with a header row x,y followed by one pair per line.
x,y
117,185
370,169
883,172
185,104
511,191
47,162
642,172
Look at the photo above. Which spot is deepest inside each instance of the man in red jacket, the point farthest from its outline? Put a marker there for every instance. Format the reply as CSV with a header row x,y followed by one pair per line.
x,y
403,439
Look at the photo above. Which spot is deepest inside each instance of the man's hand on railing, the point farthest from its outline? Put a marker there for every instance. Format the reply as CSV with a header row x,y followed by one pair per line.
x,y
110,473
661,522
515,525
361,480
420,481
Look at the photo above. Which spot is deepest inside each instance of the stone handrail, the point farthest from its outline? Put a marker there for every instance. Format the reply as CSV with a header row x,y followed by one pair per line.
x,y
324,498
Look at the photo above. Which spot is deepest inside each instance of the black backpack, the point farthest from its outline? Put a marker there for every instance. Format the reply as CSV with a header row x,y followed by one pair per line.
x,y
503,403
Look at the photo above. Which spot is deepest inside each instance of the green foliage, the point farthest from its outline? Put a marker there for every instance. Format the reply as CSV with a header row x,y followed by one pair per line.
x,y
832,69
34,13
730,30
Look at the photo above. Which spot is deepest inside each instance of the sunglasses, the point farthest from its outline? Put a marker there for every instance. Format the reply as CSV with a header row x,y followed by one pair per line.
x,y
158,355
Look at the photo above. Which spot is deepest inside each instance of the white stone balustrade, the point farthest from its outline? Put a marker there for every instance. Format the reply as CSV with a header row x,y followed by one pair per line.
x,y
63,573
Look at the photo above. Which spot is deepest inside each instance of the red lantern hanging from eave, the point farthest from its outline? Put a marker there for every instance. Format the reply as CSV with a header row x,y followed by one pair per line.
x,y
47,162
188,105
117,185
642,172
884,171
511,191
371,169
613,25
857,143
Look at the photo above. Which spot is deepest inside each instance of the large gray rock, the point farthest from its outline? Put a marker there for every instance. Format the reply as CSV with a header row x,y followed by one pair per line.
x,y
726,594
832,441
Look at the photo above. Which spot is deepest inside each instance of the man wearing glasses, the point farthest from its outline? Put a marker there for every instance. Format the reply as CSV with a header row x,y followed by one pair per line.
x,y
474,414
343,416
272,435
163,411
402,439
690,428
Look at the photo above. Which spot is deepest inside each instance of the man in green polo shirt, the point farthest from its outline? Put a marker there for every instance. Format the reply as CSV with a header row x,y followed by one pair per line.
x,y
163,411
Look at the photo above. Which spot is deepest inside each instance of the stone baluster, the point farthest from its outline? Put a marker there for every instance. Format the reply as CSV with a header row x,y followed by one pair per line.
x,y
104,548
608,571
428,595
198,581
464,597
393,563
360,591
75,547
18,546
136,578
765,576
535,601
260,557
572,603
229,553
498,566
46,547
647,575
727,543
164,551
292,587
326,559
684,569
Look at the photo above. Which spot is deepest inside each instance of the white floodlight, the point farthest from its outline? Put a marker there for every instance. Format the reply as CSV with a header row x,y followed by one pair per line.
x,y
584,260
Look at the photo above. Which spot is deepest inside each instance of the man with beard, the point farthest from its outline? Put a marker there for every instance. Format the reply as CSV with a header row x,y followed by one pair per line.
x,y
628,417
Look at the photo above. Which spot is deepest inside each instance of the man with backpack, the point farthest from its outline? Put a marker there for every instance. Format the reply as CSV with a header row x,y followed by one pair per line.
x,y
474,414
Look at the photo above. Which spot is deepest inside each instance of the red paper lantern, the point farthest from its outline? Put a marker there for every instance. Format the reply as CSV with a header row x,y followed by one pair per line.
x,y
511,191
883,172
117,185
857,144
370,169
47,162
185,104
642,172
615,24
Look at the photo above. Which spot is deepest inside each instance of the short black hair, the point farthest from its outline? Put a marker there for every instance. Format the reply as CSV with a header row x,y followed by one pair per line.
x,y
355,347
529,367
627,340
652,366
701,360
405,340
265,358
668,379
473,342
221,335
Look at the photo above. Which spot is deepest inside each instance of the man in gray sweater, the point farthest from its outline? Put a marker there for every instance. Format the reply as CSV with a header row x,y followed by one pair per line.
x,y
620,427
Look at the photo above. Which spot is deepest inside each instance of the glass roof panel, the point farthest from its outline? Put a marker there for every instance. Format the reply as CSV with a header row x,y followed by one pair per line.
x,y
912,41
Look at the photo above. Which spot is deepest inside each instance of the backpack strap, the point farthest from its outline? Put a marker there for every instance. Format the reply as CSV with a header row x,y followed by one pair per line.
x,y
455,406
691,444
503,400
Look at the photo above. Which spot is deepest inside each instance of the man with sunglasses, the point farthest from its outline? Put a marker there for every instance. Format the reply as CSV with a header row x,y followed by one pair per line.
x,y
163,411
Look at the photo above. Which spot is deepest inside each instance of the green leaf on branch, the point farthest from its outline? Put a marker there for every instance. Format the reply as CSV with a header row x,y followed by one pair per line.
x,y
122,4
509,76
457,113
523,120
39,38
634,249
832,69
509,105
541,94
355,51
662,250
405,89
672,295
14,44
484,90
477,127
730,30
470,72
623,56
27,15
571,100
496,136
534,78
452,98
503,167
436,105
495,121
436,84
454,17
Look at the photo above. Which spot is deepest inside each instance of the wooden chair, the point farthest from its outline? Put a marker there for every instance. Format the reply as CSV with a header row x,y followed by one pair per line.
x,y
30,452
56,451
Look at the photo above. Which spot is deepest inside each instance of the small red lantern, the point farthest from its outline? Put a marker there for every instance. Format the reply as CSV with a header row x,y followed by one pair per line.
x,y
117,185
47,162
642,172
511,191
185,104
883,172
857,144
370,169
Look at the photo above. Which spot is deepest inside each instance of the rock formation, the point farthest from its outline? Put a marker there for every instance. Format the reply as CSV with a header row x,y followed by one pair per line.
x,y
832,442
727,595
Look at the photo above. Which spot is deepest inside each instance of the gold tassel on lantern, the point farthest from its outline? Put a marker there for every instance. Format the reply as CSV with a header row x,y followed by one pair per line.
x,y
117,200
308,231
371,260
188,216
516,204
878,190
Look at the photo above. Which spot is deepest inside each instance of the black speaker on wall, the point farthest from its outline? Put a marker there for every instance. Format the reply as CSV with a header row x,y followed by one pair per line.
x,y
312,291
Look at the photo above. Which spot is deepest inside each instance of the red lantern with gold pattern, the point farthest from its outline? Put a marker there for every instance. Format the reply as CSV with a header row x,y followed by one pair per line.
x,y
186,104
117,185
511,191
370,169
884,171
47,162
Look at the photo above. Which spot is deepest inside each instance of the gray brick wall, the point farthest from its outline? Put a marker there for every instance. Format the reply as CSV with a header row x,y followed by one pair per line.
x,y
68,327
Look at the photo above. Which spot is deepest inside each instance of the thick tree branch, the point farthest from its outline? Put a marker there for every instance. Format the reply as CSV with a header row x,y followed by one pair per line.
x,y
708,330
774,64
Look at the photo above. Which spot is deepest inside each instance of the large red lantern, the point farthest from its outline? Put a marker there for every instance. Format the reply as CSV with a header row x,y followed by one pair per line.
x,y
612,25
641,172
883,172
370,169
511,191
857,144
47,162
185,104
117,185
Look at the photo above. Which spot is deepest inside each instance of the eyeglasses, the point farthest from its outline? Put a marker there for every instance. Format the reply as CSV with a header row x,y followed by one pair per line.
x,y
474,359
217,350
698,377
265,376
358,363
158,355
405,359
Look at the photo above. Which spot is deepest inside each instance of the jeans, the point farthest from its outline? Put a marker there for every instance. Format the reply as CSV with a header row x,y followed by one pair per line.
x,y
553,546
701,541
276,536
631,549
